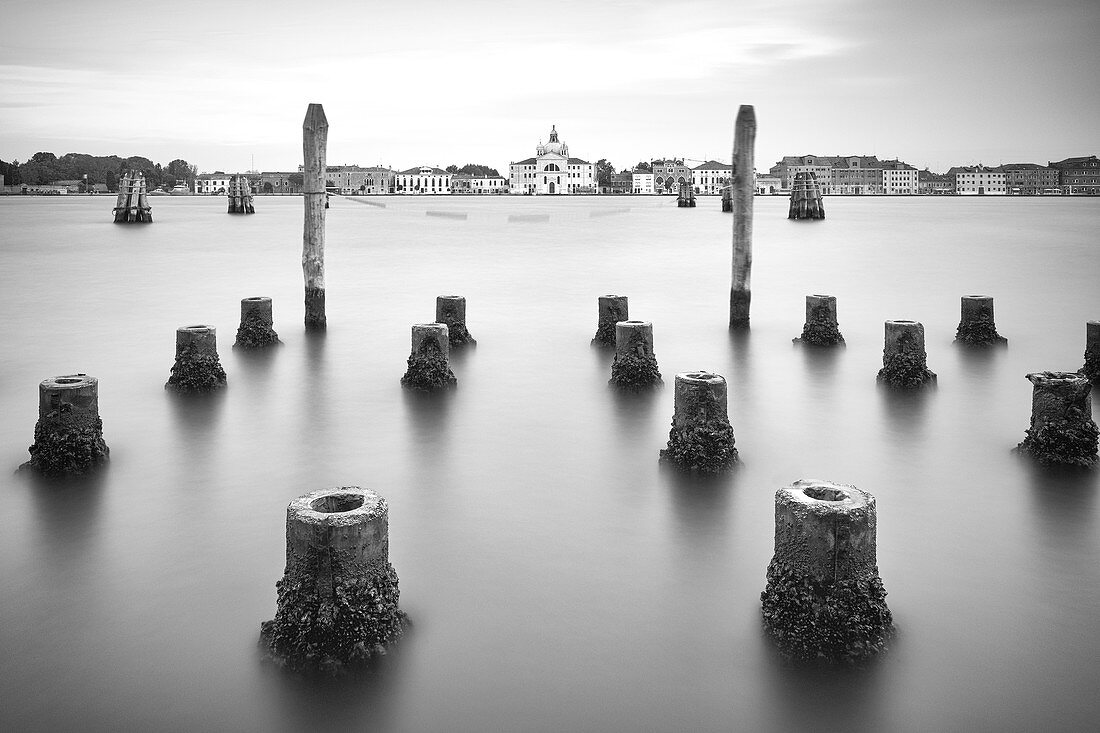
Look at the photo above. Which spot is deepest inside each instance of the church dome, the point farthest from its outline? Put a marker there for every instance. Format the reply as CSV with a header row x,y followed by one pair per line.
x,y
554,146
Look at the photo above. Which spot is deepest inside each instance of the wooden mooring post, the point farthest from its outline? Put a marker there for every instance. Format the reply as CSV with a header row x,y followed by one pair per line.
x,y
314,144
686,199
744,142
806,198
132,204
727,200
240,196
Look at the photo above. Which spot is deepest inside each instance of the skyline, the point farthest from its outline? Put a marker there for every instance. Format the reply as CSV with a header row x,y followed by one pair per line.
x,y
933,83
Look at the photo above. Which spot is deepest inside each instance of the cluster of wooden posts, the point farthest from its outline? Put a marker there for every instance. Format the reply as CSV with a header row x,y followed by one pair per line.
x,y
133,202
338,574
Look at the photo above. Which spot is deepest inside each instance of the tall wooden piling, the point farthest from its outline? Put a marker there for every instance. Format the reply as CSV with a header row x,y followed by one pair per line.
x,y
727,200
744,142
806,198
132,204
314,143
240,196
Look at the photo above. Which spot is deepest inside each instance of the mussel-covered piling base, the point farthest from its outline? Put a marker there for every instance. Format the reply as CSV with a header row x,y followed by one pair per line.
x,y
346,625
428,369
68,450
255,332
846,621
821,328
702,448
1070,442
979,333
635,371
907,369
196,371
1091,369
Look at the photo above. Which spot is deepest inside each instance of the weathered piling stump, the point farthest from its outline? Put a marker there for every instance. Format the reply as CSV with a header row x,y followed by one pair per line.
x,y
824,600
635,365
806,200
701,439
976,325
727,199
240,196
197,367
904,360
132,204
686,197
337,599
451,310
68,437
821,327
612,309
1091,369
256,328
428,367
1062,429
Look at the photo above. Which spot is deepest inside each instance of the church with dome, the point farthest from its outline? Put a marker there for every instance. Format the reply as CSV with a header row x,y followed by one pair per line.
x,y
552,171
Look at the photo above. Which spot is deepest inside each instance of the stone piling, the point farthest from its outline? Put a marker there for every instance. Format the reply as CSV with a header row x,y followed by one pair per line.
x,y
612,309
824,600
428,366
197,367
904,360
635,365
821,327
1091,369
701,439
1062,429
338,597
451,310
976,324
256,329
68,437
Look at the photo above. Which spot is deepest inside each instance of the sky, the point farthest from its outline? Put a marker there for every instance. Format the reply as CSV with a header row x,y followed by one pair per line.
x,y
225,84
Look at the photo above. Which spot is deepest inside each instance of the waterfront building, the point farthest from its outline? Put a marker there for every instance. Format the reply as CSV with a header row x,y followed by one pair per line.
x,y
355,180
937,184
978,180
425,179
856,175
899,179
1029,179
468,183
642,183
1079,176
767,185
791,165
669,174
270,182
552,171
711,177
216,183
621,182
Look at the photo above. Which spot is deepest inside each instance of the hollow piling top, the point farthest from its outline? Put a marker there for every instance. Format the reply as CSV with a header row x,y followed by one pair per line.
x,y
337,506
1057,379
700,378
67,382
825,497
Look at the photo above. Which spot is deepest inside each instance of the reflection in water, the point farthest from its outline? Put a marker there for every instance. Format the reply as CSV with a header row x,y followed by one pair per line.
x,y
198,416
68,508
1063,497
906,409
700,502
428,417
975,362
820,362
634,410
255,366
314,392
363,700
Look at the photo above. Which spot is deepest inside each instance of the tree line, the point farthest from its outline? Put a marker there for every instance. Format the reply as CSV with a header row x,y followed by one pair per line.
x,y
43,168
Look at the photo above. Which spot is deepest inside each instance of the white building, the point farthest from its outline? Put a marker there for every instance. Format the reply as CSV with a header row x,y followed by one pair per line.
x,y
211,183
980,181
710,177
424,179
767,185
467,183
899,179
552,171
642,183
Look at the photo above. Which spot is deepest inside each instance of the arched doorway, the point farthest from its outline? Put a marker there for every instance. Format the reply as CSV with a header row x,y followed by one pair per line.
x,y
551,187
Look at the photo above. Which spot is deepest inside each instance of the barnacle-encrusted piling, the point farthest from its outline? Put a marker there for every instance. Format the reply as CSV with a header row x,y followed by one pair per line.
x,y
1091,369
612,309
701,439
197,367
338,597
821,327
428,366
1062,429
635,365
904,360
68,437
256,324
451,310
824,600
976,324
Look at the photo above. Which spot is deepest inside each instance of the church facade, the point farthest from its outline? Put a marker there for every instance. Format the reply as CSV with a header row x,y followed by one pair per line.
x,y
551,172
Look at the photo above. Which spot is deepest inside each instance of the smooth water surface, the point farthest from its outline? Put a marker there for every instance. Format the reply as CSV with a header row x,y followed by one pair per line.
x,y
557,577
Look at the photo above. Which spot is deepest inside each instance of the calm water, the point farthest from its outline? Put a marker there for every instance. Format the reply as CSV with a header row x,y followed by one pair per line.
x,y
558,579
